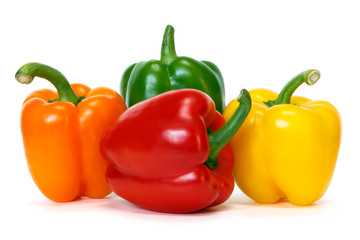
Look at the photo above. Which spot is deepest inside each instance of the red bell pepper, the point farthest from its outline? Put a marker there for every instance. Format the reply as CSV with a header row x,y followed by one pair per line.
x,y
170,153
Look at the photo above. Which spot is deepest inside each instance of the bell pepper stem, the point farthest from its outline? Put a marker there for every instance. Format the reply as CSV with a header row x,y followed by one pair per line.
x,y
28,71
310,77
168,45
218,139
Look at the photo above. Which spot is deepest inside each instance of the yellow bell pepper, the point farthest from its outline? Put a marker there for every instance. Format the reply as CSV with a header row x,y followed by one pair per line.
x,y
287,147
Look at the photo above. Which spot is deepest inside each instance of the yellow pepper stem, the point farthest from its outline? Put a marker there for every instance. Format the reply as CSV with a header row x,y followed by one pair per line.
x,y
310,77
218,139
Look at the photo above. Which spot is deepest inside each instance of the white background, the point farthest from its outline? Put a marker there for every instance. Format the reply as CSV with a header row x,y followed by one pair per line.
x,y
254,43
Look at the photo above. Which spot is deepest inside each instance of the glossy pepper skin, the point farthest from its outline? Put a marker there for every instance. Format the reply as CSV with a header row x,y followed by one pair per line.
x,y
147,79
162,156
291,145
61,135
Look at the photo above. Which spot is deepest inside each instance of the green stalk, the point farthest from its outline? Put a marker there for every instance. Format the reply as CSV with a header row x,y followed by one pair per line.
x,y
28,71
168,45
218,139
310,77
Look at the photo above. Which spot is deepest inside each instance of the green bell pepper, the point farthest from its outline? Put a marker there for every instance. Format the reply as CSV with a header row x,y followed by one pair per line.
x,y
147,79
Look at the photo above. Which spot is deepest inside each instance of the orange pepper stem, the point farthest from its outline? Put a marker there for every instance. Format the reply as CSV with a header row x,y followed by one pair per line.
x,y
168,45
310,77
218,139
28,71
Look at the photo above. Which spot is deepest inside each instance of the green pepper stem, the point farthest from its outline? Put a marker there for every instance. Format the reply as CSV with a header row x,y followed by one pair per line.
x,y
28,71
310,77
168,45
218,139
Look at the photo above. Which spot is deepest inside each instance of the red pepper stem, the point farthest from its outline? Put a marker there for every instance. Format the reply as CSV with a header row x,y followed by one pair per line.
x,y
168,45
218,139
28,71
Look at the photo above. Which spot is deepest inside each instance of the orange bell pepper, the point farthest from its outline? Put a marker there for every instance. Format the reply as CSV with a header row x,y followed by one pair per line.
x,y
61,134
